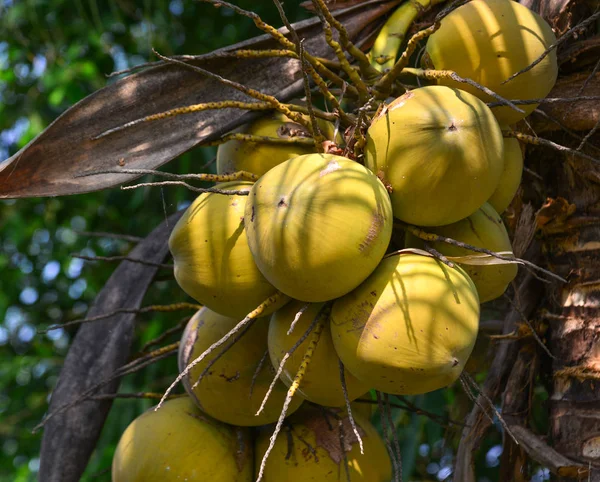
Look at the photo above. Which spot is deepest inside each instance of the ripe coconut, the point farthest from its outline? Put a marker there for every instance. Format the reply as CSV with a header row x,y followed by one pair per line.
x,y
213,263
178,442
482,229
488,41
259,157
313,450
511,176
441,152
231,390
321,383
318,225
410,327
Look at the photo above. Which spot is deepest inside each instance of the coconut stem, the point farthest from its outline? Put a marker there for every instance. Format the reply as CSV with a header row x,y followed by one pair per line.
x,y
348,407
310,349
249,319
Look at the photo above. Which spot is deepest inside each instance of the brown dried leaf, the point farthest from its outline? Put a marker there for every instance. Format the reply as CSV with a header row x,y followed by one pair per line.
x,y
48,166
575,115
98,350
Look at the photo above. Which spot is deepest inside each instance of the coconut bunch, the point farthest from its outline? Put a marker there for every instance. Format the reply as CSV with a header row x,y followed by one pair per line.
x,y
354,263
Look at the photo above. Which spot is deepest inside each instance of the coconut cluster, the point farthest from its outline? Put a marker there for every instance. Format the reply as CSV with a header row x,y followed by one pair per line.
x,y
316,239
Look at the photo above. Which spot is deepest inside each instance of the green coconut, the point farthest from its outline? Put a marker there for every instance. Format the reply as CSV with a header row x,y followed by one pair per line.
x,y
232,390
321,383
178,442
410,327
511,176
440,151
213,263
313,451
318,225
259,157
488,41
483,229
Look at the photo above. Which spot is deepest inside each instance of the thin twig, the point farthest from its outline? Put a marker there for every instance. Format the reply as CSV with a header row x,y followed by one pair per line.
x,y
348,407
213,190
419,233
365,66
288,354
431,74
548,100
244,89
559,123
388,440
310,349
318,136
127,369
297,318
204,177
165,334
465,377
101,234
529,325
388,413
538,141
259,367
588,135
115,259
317,67
224,350
590,77
249,319
146,309
577,28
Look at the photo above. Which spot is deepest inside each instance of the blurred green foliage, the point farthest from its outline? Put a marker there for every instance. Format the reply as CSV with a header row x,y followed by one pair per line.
x,y
52,54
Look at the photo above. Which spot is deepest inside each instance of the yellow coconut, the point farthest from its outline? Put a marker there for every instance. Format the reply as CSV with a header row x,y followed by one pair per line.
x,y
410,327
483,229
312,450
511,176
213,263
259,157
317,225
227,391
178,442
488,41
441,152
321,383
